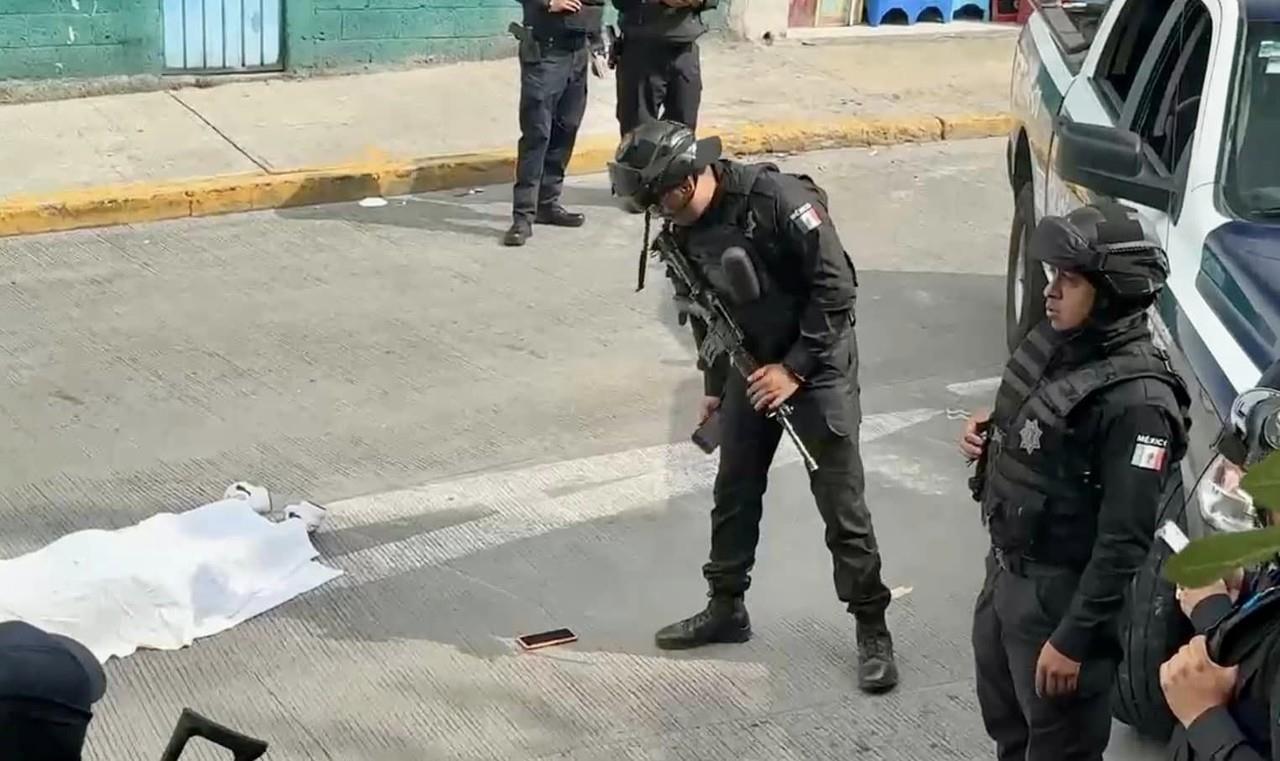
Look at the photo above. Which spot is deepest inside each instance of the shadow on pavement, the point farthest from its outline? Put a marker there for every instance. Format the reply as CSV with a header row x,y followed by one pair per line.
x,y
469,215
483,212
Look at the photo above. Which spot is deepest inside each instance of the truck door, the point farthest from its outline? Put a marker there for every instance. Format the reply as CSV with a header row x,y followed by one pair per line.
x,y
1151,77
1113,81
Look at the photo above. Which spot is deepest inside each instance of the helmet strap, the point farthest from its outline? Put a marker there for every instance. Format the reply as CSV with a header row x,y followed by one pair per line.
x,y
644,251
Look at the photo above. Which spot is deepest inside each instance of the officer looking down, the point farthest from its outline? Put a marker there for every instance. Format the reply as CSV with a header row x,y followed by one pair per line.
x,y
1089,422
801,330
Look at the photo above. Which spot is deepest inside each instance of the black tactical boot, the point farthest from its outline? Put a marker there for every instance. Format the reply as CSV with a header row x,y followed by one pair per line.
x,y
724,620
877,671
559,217
518,233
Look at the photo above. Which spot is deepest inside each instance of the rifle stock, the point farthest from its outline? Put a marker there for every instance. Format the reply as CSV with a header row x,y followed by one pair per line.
x,y
191,724
704,303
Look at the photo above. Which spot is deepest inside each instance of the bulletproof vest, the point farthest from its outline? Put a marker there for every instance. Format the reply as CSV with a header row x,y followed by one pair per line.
x,y
771,323
546,24
654,22
1040,498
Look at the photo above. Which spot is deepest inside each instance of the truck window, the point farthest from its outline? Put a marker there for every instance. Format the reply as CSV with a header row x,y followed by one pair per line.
x,y
1251,174
1130,39
1167,115
1074,24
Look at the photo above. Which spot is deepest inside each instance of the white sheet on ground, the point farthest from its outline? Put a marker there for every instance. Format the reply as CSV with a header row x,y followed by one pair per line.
x,y
163,583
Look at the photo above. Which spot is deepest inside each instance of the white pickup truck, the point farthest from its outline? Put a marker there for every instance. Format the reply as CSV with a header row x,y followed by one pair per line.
x,y
1171,107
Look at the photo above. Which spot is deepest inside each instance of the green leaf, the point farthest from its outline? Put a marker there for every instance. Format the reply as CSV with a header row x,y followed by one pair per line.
x,y
1206,560
1263,483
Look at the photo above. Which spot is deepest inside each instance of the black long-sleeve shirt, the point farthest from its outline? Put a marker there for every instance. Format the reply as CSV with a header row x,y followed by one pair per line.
x,y
1216,735
1132,440
804,248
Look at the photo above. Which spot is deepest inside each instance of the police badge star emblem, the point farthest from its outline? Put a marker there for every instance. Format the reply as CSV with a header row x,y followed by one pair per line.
x,y
1031,436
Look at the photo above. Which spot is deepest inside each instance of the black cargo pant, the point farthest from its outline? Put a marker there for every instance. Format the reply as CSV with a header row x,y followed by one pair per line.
x,y
553,99
749,441
658,80
1018,609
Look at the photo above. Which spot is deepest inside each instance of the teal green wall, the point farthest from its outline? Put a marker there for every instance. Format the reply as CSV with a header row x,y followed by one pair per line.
x,y
44,39
323,34
51,39
337,33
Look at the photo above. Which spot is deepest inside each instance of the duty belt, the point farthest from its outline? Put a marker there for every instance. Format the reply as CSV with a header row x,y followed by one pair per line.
x,y
563,41
1022,564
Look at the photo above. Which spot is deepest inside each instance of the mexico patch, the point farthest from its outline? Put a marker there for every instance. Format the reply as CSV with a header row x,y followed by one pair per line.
x,y
806,217
1150,453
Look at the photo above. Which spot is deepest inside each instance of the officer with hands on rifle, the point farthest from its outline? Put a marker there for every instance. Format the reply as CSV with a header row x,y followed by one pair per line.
x,y
1090,420
802,368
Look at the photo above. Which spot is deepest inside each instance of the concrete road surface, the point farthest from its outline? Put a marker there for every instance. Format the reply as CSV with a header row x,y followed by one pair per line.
x,y
501,435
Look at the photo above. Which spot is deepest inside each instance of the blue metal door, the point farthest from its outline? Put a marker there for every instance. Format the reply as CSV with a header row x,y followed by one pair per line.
x,y
215,36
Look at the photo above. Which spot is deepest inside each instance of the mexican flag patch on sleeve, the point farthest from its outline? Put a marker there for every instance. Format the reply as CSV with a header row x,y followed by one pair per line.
x,y
806,217
1150,453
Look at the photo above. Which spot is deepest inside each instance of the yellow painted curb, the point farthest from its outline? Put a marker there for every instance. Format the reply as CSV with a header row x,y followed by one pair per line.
x,y
976,126
150,202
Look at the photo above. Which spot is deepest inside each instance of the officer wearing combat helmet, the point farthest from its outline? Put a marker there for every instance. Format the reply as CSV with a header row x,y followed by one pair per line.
x,y
801,330
1090,420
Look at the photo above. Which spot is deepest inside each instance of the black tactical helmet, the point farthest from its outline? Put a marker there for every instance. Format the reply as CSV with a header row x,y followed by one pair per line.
x,y
1105,243
658,156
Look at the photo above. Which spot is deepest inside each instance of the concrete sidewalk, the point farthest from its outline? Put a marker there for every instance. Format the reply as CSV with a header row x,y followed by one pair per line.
x,y
276,142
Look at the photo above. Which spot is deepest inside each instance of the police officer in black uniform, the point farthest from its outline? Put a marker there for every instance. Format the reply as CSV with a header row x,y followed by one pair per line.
x,y
1223,687
659,72
555,55
1090,421
802,331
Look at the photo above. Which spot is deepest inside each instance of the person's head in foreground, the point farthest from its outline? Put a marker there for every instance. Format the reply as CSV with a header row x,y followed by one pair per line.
x,y
1100,267
48,685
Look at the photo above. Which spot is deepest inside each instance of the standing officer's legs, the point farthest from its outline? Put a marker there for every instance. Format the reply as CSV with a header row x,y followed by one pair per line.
x,y
541,83
997,696
1022,610
567,118
642,85
684,86
748,442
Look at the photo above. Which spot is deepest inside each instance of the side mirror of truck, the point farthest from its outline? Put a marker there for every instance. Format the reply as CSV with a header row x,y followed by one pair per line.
x,y
1111,162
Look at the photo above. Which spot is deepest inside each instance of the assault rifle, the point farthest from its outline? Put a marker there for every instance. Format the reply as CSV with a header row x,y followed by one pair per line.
x,y
699,300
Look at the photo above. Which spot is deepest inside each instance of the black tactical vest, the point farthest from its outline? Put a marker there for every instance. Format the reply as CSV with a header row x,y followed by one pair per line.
x,y
1040,495
772,322
548,25
656,23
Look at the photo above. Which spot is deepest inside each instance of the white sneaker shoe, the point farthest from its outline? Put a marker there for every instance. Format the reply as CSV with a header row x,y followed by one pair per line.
x,y
309,513
257,496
